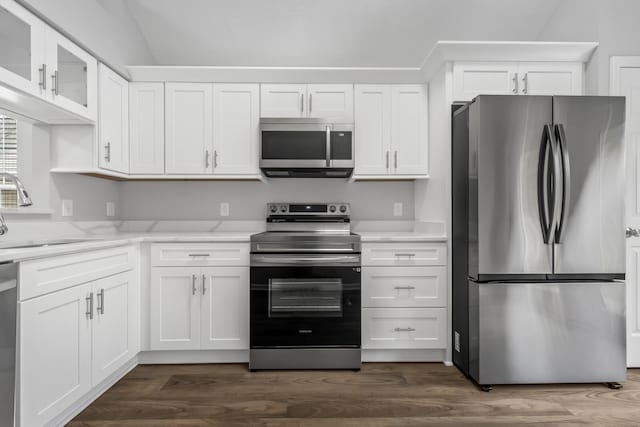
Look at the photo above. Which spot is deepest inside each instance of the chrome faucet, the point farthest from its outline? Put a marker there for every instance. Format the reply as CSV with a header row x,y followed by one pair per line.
x,y
23,198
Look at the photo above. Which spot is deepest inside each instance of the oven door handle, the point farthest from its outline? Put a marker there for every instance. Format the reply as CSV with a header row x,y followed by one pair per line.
x,y
278,260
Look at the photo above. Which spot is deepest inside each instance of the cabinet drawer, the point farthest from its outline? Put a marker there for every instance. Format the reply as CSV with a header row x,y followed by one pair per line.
x,y
404,286
199,254
404,254
404,328
42,276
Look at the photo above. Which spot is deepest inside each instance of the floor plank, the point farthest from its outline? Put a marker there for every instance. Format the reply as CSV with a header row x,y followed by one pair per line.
x,y
381,394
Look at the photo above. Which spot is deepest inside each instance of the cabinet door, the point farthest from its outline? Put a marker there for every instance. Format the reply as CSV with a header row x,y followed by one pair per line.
x,y
236,119
73,76
331,102
372,129
189,128
225,308
113,121
55,353
409,137
114,334
175,308
146,128
22,55
550,78
471,79
283,100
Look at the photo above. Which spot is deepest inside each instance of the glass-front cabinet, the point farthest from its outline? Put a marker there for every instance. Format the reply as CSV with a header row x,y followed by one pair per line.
x,y
22,49
72,76
37,60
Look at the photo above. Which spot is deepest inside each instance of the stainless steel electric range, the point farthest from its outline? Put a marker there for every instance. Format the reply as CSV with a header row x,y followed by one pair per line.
x,y
305,289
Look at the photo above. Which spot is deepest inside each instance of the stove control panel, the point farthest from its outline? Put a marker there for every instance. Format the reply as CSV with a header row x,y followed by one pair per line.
x,y
332,208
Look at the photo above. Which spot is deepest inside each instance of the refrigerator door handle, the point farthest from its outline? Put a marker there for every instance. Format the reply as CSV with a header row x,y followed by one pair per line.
x,y
546,206
566,181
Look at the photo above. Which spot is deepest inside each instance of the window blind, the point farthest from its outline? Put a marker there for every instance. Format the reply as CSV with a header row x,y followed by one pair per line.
x,y
8,160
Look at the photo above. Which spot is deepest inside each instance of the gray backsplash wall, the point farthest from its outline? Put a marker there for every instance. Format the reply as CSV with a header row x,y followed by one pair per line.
x,y
193,200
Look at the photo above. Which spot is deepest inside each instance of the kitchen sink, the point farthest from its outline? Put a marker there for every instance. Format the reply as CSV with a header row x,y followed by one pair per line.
x,y
42,243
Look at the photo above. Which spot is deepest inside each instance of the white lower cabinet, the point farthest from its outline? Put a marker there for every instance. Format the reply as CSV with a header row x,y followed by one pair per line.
x,y
405,328
71,340
199,308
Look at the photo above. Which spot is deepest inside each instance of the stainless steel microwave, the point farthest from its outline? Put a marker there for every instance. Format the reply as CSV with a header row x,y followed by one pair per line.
x,y
306,148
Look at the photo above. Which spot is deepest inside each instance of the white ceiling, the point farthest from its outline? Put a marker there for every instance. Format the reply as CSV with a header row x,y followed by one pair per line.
x,y
328,33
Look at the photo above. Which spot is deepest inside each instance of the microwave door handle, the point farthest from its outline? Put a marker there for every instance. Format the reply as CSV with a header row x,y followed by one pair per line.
x,y
328,148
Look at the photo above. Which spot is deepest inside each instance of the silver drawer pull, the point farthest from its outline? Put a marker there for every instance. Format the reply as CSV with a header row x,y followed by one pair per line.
x,y
89,301
405,287
197,255
404,329
403,254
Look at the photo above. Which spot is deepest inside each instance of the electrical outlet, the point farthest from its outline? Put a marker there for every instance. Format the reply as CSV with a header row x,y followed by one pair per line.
x,y
67,208
224,209
397,209
111,209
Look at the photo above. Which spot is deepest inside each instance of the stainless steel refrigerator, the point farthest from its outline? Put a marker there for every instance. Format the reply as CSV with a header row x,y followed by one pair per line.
x,y
539,239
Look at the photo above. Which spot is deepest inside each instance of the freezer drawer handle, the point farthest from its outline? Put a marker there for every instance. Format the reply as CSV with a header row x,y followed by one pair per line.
x,y
409,329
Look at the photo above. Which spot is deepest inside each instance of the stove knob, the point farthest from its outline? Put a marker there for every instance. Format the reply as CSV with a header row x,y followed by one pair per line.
x,y
273,209
343,208
332,208
283,209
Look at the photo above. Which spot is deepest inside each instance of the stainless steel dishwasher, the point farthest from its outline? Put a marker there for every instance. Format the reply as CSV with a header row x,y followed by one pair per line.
x,y
8,309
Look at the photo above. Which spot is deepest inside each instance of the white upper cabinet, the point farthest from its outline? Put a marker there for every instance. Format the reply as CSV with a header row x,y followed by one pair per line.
x,y
372,129
113,123
22,49
490,78
189,128
39,61
560,78
326,101
146,128
283,100
236,119
391,130
471,79
329,101
409,133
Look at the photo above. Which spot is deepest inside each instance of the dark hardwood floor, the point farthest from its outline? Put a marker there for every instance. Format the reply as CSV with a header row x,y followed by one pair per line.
x,y
382,394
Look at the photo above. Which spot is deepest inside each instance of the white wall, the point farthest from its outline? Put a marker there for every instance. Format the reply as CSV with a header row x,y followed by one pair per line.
x,y
89,196
612,23
200,200
104,26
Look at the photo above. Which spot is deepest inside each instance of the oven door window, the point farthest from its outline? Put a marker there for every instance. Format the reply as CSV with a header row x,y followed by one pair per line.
x,y
305,297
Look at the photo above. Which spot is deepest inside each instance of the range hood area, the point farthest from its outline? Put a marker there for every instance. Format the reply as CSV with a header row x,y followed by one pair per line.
x,y
306,148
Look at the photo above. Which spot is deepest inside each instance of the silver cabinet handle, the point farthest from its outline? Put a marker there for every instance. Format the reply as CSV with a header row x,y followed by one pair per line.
x,y
204,288
395,159
515,83
193,284
302,102
525,82
215,159
89,301
387,159
100,308
404,254
43,77
54,83
197,255
310,98
408,288
107,152
409,329
328,147
206,159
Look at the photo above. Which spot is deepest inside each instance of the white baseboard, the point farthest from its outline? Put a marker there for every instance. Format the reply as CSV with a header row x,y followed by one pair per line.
x,y
403,355
193,356
73,410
